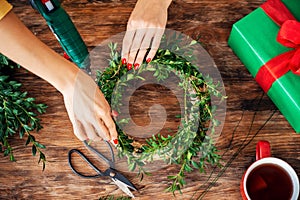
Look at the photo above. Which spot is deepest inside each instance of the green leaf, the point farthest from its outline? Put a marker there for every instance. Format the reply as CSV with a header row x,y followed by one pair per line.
x,y
28,140
132,166
7,152
151,69
193,42
189,155
11,157
42,157
195,164
129,77
3,78
171,177
140,77
34,150
40,145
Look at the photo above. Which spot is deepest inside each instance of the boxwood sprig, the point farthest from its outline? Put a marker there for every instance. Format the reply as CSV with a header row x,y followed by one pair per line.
x,y
18,113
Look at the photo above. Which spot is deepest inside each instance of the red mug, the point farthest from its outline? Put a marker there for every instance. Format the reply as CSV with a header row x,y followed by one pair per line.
x,y
269,177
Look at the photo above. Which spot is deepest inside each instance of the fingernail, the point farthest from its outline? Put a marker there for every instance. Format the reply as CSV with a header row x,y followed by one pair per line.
x,y
115,141
66,56
136,66
148,60
123,61
89,141
114,113
129,66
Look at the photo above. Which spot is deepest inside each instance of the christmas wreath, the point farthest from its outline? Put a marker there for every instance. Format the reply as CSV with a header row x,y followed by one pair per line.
x,y
191,147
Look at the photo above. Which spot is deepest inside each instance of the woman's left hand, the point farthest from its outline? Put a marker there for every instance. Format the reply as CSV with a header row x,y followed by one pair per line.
x,y
145,28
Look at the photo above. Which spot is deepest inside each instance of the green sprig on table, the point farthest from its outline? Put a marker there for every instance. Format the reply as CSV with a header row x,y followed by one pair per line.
x,y
111,197
201,150
18,113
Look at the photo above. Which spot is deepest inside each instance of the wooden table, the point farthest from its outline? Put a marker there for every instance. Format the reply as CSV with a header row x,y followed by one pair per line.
x,y
98,20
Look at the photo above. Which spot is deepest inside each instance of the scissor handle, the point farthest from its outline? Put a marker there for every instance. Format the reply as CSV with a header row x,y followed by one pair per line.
x,y
99,173
111,162
121,181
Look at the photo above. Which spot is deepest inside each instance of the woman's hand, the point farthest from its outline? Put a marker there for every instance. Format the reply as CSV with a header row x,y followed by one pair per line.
x,y
89,111
87,108
145,28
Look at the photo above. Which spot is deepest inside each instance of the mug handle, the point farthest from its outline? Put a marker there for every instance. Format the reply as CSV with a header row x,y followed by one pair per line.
x,y
263,149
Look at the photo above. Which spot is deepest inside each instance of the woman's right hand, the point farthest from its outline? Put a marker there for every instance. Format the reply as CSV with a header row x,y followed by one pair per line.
x,y
89,111
87,108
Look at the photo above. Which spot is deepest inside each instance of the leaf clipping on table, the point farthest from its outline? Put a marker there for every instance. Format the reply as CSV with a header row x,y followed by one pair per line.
x,y
18,112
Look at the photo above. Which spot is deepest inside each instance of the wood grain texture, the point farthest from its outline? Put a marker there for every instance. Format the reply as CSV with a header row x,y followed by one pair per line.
x,y
209,21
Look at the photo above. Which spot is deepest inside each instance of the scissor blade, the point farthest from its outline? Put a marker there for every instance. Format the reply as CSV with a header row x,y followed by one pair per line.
x,y
123,187
118,176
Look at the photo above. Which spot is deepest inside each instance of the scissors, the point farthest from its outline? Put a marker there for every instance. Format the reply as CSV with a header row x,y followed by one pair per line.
x,y
123,183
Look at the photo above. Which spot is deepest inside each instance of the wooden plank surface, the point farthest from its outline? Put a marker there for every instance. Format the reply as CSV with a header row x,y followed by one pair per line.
x,y
99,20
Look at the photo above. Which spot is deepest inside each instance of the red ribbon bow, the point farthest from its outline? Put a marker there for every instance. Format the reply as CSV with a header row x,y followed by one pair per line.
x,y
289,36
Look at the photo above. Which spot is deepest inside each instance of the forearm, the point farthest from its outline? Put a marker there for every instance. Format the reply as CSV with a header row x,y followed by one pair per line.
x,y
161,3
20,45
88,110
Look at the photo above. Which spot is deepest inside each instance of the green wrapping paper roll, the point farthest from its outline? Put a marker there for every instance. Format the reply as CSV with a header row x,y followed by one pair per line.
x,y
253,40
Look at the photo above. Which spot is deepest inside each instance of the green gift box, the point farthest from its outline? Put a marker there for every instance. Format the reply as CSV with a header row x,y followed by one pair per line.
x,y
253,40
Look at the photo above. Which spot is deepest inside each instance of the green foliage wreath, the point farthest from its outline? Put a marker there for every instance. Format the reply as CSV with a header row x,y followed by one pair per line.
x,y
200,149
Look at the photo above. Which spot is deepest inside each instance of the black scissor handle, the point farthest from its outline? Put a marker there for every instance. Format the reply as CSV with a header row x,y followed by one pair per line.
x,y
99,173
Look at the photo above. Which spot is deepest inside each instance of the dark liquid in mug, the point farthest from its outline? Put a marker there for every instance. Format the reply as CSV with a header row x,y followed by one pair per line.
x,y
269,181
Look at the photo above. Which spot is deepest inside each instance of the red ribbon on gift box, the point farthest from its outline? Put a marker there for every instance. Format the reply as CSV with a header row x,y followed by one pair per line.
x,y
289,36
